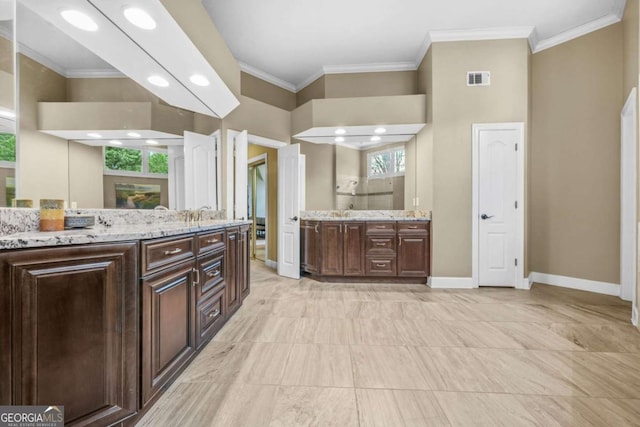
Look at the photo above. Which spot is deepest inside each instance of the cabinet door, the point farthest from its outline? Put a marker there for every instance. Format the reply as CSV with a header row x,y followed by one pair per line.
x,y
243,262
413,255
354,248
168,326
231,273
309,246
332,249
72,339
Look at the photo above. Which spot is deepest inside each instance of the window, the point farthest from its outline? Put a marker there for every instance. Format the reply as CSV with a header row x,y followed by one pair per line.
x,y
386,163
136,161
7,148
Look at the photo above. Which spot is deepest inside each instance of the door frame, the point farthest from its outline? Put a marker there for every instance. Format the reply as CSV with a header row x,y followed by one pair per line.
x,y
628,150
520,281
262,158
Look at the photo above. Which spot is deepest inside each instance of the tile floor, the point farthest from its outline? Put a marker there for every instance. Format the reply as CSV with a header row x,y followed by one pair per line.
x,y
303,353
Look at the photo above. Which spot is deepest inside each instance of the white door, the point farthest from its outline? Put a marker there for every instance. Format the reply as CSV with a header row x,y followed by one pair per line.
x,y
497,206
200,172
628,217
289,184
241,168
176,177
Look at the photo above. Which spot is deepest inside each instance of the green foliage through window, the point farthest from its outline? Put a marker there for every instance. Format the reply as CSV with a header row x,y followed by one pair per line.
x,y
158,162
123,159
7,147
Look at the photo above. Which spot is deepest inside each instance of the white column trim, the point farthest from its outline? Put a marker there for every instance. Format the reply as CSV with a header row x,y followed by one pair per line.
x,y
576,283
450,282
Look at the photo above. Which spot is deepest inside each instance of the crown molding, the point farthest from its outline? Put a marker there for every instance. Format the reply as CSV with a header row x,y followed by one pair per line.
x,y
424,48
369,68
4,32
38,57
576,32
481,34
619,7
312,78
269,78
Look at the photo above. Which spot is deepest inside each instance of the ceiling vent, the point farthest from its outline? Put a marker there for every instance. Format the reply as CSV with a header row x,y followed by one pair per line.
x,y
478,78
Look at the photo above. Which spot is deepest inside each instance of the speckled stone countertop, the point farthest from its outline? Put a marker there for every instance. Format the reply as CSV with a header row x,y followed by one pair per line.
x,y
104,234
355,215
19,228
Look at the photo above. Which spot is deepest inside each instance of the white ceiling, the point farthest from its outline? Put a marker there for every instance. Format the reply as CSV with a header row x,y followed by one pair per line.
x,y
293,42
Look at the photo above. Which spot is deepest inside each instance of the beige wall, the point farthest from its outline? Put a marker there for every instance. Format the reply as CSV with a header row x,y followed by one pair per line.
x,y
575,157
455,108
266,92
260,119
85,176
370,84
272,200
110,181
6,55
42,159
320,175
630,45
4,173
314,90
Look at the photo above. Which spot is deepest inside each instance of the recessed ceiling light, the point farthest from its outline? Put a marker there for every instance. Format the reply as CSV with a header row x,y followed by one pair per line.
x,y
139,18
134,134
341,131
151,142
380,130
94,135
9,114
199,79
158,81
375,138
115,142
339,139
79,20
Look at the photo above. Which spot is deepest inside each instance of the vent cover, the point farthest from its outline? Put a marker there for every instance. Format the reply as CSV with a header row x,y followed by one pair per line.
x,y
478,78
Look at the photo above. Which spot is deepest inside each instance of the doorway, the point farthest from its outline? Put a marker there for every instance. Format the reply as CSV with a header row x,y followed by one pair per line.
x,y
628,202
257,206
498,205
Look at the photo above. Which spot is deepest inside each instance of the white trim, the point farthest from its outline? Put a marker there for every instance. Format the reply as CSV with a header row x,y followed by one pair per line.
x,y
136,174
312,78
264,158
97,73
271,264
450,282
576,283
619,7
369,68
634,316
424,48
230,165
7,165
269,78
265,142
481,34
475,213
41,59
576,32
628,196
524,284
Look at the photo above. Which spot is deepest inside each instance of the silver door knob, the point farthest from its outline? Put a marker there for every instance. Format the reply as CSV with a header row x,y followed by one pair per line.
x,y
485,216
294,219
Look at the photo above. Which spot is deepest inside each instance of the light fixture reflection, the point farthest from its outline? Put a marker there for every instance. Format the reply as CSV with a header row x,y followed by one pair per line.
x,y
158,81
139,18
79,20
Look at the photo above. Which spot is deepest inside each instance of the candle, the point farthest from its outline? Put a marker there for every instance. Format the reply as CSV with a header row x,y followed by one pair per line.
x,y
51,215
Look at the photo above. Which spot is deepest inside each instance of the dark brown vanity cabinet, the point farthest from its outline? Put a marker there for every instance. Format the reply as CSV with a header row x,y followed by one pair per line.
x,y
243,261
234,296
211,297
309,246
68,330
169,287
368,249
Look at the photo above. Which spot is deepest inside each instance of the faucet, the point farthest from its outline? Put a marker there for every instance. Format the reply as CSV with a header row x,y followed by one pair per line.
x,y
161,208
200,210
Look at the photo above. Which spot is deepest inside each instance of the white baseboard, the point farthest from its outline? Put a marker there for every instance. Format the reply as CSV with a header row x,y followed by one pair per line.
x,y
450,282
525,284
634,316
575,283
271,264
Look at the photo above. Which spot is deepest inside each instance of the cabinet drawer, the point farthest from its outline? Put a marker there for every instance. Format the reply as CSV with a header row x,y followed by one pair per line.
x,y
211,273
210,241
381,266
210,317
386,227
413,227
381,245
161,253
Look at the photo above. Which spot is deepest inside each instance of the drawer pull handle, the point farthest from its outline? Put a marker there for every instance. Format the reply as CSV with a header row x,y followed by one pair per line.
x,y
214,313
212,241
381,265
413,227
196,272
381,226
380,244
173,252
211,274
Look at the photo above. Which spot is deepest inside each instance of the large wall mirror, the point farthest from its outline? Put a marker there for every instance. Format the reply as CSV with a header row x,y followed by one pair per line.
x,y
7,104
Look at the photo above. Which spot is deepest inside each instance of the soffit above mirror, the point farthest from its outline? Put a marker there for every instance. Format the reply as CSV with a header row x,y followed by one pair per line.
x,y
360,123
164,51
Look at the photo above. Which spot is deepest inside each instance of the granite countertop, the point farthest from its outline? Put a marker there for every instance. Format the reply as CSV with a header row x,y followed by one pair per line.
x,y
103,234
364,218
